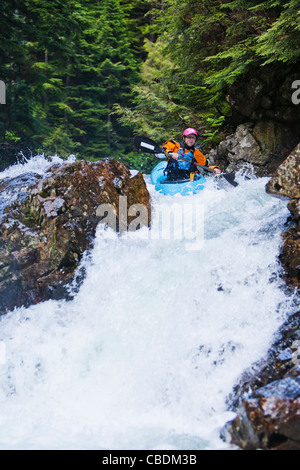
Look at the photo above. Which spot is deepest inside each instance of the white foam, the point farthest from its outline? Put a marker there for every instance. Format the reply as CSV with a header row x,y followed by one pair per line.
x,y
152,345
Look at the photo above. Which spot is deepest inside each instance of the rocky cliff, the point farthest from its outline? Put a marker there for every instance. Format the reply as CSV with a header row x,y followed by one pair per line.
x,y
267,399
264,117
286,183
265,141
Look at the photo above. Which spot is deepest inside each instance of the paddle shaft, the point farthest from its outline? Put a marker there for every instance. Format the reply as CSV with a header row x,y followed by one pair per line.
x,y
144,144
228,176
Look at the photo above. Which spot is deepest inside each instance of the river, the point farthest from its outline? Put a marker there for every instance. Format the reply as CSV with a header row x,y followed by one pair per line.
x,y
159,332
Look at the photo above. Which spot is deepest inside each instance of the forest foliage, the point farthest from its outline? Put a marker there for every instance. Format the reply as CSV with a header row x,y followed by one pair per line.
x,y
83,76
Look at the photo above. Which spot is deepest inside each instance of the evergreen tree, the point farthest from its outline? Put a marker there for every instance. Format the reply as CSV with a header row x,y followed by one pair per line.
x,y
281,41
153,111
138,14
212,44
53,52
17,120
83,75
33,58
95,70
118,69
65,65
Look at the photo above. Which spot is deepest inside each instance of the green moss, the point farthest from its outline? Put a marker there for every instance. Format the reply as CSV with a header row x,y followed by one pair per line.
x,y
31,217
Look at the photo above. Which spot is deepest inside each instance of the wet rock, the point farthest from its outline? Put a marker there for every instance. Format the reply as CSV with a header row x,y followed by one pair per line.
x,y
270,417
267,399
44,233
290,256
286,183
286,180
263,145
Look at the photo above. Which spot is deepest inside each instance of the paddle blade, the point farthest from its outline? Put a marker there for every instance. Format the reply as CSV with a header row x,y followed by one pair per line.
x,y
229,177
146,145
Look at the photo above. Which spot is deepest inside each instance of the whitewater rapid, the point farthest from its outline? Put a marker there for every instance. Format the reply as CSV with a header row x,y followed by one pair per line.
x,y
149,350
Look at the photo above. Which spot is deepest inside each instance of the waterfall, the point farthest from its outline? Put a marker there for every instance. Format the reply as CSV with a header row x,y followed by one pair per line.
x,y
164,324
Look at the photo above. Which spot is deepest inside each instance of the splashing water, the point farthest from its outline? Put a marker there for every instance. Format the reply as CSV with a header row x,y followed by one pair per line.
x,y
153,343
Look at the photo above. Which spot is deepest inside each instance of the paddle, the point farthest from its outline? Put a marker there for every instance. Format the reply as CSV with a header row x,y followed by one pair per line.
x,y
230,177
146,145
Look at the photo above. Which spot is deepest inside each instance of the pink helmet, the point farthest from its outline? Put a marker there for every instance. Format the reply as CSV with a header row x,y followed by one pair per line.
x,y
189,131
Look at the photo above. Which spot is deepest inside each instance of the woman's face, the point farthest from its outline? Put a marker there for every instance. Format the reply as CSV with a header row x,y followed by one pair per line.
x,y
190,140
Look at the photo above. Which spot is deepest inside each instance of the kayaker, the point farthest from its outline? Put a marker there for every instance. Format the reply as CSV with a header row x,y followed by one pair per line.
x,y
178,168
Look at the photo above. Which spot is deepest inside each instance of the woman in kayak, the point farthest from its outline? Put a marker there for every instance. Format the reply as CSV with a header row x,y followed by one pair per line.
x,y
183,157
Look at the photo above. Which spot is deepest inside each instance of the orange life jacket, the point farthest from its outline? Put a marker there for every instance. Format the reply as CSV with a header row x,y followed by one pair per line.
x,y
175,147
172,146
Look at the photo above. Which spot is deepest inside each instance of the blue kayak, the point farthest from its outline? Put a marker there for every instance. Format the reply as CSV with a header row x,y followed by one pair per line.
x,y
167,187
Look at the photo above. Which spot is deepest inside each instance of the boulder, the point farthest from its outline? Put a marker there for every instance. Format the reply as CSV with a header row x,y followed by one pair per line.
x,y
267,398
49,222
286,180
290,256
263,145
286,183
270,417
